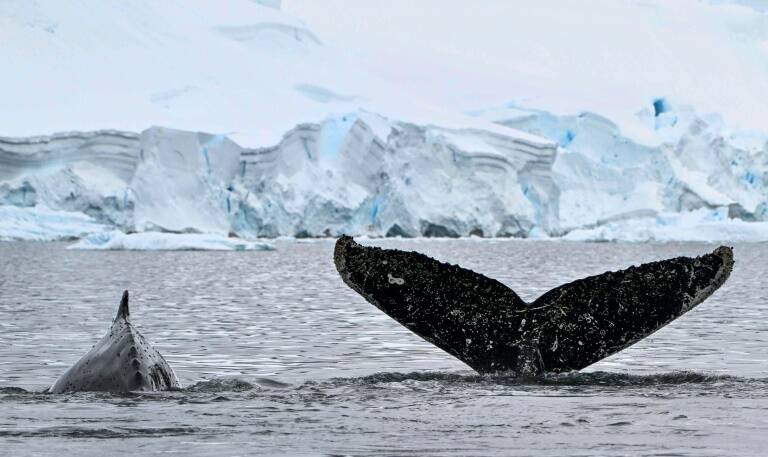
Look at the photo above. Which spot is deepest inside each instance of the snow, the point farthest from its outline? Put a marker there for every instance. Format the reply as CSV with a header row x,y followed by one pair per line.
x,y
611,57
155,241
248,70
44,224
426,63
436,118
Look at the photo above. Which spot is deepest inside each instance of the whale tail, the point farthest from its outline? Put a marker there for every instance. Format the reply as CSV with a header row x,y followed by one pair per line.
x,y
486,325
122,310
584,321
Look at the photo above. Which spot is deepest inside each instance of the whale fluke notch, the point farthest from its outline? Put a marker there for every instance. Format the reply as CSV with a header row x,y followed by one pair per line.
x,y
489,327
122,310
122,361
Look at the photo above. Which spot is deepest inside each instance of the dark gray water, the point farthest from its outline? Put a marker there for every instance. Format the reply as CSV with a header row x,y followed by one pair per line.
x,y
279,357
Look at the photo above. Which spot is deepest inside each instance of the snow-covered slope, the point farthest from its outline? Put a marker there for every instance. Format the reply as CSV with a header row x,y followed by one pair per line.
x,y
244,69
399,118
610,57
89,65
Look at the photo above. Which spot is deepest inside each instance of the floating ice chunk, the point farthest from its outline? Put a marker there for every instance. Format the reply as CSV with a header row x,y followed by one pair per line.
x,y
39,223
155,241
700,225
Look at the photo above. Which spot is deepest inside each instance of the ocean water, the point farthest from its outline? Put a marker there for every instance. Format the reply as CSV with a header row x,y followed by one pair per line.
x,y
278,357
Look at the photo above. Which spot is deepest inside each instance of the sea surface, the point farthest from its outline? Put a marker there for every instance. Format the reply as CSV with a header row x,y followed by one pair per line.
x,y
278,357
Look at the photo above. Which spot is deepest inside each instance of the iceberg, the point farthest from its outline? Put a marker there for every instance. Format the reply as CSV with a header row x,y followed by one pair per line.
x,y
701,225
156,241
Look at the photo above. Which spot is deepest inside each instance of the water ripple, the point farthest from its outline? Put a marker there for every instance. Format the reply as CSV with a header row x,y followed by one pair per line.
x,y
278,357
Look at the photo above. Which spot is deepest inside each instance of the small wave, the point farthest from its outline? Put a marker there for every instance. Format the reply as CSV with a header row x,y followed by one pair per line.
x,y
425,376
598,378
271,383
605,378
84,432
218,389
13,390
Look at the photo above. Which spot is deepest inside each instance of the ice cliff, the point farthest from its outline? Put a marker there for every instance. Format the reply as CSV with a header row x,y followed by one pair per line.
x,y
364,174
692,162
356,173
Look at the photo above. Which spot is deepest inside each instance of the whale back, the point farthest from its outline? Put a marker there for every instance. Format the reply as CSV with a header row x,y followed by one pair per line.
x,y
122,361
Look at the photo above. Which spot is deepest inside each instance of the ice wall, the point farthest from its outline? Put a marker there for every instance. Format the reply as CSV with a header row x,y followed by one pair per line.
x,y
356,173
363,174
183,181
86,172
685,163
359,173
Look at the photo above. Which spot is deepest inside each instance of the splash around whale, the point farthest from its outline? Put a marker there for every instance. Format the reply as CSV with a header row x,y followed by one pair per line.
x,y
122,361
486,325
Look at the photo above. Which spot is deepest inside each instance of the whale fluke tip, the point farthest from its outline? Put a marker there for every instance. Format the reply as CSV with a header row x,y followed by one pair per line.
x,y
339,251
725,253
123,311
343,241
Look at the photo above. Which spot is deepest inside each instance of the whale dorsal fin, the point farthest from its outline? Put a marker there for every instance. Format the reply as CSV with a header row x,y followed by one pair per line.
x,y
122,311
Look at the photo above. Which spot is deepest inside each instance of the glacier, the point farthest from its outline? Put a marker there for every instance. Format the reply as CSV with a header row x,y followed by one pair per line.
x,y
575,176
355,173
285,126
694,161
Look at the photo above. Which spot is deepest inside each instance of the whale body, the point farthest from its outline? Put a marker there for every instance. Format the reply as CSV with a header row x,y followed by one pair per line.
x,y
122,361
489,327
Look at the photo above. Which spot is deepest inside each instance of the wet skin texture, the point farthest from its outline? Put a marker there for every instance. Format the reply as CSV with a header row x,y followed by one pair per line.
x,y
122,361
486,325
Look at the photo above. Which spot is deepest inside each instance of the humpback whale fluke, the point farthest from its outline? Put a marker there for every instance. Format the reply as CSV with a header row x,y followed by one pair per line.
x,y
122,361
486,325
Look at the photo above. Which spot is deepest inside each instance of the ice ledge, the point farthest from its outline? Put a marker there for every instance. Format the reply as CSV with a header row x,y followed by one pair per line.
x,y
155,241
702,225
44,224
